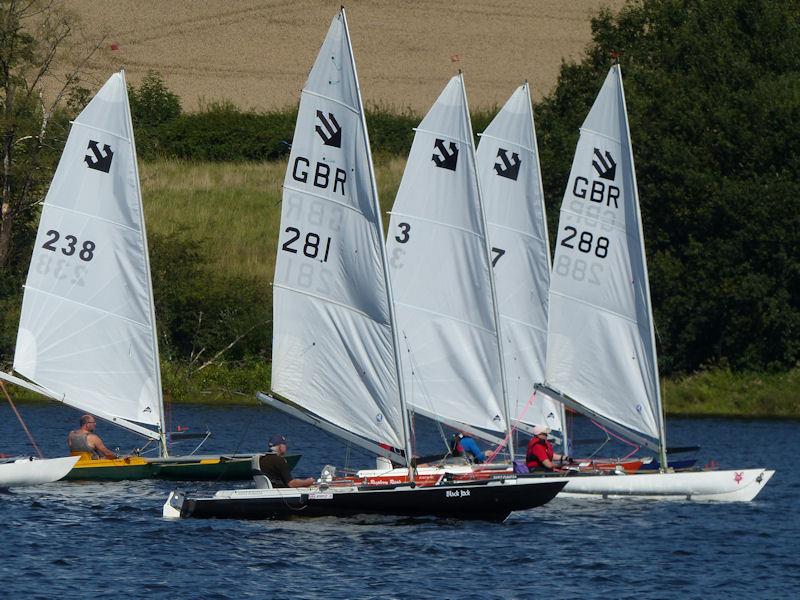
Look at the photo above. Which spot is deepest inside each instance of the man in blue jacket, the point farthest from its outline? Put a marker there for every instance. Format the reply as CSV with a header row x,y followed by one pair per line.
x,y
463,445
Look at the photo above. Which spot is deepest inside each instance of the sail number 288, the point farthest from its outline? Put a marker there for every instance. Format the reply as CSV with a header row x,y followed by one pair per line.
x,y
311,246
585,242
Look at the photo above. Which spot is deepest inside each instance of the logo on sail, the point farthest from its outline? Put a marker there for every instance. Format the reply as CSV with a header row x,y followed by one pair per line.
x,y
99,161
329,131
445,159
509,168
606,167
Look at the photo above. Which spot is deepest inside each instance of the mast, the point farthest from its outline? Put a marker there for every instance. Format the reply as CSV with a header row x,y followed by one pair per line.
x,y
488,253
545,231
162,436
662,433
384,262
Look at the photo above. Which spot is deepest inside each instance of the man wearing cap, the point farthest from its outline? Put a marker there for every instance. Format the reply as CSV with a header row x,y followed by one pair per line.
x,y
540,455
274,465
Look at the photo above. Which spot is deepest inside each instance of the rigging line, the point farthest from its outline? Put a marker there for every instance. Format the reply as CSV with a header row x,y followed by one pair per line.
x,y
620,438
21,421
235,452
493,454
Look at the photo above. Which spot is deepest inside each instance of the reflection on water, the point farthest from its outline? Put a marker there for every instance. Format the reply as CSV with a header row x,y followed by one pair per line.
x,y
92,538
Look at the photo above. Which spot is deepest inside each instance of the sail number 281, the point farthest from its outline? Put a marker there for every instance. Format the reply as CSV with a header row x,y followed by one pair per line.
x,y
311,246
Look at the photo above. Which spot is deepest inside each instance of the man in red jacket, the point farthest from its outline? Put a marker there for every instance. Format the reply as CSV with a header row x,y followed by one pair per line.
x,y
540,455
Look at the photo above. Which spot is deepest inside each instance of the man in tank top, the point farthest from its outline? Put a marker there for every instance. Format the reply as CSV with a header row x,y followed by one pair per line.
x,y
85,441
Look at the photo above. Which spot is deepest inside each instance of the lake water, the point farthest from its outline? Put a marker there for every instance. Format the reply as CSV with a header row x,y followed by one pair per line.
x,y
78,540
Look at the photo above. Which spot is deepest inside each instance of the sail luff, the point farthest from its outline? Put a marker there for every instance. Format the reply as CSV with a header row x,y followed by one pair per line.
x,y
662,432
561,408
492,285
384,261
154,338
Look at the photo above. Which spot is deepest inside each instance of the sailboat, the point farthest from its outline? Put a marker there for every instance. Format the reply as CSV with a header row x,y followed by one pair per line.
x,y
601,354
335,345
87,331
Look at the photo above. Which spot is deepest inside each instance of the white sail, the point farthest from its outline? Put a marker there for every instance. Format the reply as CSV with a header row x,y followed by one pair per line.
x,y
87,329
511,187
332,348
440,275
600,347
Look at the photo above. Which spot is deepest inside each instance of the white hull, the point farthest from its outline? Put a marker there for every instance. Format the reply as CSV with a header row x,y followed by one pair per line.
x,y
32,471
723,486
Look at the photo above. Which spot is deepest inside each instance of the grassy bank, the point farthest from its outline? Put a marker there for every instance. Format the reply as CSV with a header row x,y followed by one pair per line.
x,y
234,211
232,208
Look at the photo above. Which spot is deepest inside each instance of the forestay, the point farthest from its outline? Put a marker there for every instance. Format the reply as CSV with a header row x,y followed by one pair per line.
x,y
440,273
332,348
511,187
601,351
87,329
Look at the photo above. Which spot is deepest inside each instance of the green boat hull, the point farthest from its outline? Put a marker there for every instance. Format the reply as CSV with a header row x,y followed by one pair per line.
x,y
175,469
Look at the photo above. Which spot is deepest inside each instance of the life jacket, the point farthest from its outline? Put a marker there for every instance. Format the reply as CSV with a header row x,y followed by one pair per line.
x,y
455,446
531,460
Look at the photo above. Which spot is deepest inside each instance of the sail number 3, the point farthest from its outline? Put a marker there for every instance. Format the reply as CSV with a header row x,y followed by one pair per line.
x,y
86,253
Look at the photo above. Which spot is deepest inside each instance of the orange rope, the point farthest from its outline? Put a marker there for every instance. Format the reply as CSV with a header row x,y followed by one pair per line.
x,y
21,422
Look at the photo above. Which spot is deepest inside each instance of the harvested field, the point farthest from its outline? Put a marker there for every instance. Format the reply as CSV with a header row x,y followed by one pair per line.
x,y
257,53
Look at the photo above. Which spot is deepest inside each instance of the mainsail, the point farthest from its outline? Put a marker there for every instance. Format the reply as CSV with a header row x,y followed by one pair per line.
x,y
600,347
440,274
511,187
87,329
333,349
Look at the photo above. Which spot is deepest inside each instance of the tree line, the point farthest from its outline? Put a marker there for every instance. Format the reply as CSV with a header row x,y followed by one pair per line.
x,y
713,94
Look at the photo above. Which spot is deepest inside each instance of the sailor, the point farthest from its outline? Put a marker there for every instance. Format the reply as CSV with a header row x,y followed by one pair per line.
x,y
540,455
274,465
85,441
463,445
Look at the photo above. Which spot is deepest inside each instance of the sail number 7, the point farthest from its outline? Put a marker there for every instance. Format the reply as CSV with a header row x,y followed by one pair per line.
x,y
310,246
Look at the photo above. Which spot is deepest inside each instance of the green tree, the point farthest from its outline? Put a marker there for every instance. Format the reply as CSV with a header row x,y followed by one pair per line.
x,y
713,94
32,33
152,103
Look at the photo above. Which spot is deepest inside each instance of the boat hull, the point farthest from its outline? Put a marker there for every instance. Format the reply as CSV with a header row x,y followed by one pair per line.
x,y
179,468
722,486
477,500
33,471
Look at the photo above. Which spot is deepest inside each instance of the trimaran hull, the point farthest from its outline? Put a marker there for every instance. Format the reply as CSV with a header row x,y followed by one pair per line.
x,y
33,471
721,486
477,500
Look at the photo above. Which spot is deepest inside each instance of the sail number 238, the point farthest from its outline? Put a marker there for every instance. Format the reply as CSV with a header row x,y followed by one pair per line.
x,y
69,246
311,246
